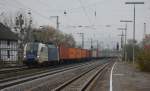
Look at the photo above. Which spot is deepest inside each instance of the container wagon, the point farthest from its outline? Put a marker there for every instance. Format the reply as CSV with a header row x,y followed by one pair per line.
x,y
39,53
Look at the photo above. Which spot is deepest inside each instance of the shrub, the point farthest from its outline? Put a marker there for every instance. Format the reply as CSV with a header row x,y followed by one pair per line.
x,y
144,60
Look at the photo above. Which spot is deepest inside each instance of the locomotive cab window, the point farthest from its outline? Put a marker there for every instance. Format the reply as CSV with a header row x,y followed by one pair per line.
x,y
42,49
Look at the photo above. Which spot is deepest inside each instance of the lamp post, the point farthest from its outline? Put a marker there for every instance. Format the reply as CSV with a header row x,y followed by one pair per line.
x,y
134,3
125,41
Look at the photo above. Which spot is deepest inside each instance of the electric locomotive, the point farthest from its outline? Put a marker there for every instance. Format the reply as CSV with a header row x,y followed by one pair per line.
x,y
38,53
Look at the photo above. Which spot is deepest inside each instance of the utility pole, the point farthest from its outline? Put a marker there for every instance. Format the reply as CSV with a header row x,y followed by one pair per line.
x,y
122,43
144,30
117,46
91,44
126,26
144,34
57,21
134,3
97,44
82,35
97,48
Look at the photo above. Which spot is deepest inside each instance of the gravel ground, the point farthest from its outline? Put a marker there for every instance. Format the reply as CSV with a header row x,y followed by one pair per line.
x,y
77,84
102,83
127,78
54,82
47,83
20,73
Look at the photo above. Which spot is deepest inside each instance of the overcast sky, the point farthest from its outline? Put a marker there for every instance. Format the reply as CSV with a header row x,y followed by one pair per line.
x,y
82,12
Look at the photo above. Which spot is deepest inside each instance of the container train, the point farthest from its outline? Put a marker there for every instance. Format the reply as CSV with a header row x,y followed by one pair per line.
x,y
36,53
39,53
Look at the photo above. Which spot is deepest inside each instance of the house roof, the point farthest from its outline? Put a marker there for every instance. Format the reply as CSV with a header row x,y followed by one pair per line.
x,y
6,33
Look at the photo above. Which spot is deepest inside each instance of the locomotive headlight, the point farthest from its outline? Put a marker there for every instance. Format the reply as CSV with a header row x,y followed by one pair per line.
x,y
24,56
38,56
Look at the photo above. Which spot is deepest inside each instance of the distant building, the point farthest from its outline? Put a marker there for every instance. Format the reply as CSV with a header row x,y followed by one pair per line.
x,y
146,41
8,45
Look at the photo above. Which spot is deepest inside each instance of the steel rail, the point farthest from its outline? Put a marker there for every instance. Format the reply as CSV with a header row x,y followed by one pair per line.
x,y
93,78
22,80
77,77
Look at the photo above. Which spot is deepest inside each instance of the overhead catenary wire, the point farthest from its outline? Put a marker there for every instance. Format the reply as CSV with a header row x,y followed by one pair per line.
x,y
46,5
27,8
8,4
73,8
35,11
85,12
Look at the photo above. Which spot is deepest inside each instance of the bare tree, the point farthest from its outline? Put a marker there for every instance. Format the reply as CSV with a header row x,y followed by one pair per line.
x,y
50,34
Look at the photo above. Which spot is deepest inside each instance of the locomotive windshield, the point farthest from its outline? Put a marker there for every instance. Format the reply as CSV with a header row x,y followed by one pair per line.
x,y
32,48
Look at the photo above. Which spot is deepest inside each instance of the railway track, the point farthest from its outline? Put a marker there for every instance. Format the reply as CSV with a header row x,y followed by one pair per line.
x,y
83,81
17,73
12,74
7,70
18,80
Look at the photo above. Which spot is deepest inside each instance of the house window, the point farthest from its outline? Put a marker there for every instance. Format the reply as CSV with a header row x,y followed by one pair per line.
x,y
0,50
0,45
8,42
8,53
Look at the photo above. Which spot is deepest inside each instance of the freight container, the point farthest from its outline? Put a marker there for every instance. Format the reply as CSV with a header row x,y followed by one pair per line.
x,y
63,53
94,53
83,53
78,53
87,53
99,54
72,53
